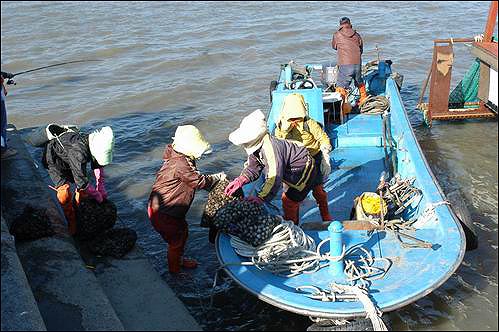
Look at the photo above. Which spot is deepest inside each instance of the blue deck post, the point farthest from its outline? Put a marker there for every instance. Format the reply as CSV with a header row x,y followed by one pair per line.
x,y
336,248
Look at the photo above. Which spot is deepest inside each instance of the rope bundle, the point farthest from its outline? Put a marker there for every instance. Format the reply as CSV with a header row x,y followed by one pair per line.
x,y
288,251
375,105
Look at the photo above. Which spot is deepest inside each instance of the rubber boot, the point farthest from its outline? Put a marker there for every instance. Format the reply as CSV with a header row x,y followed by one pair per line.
x,y
321,197
65,198
345,105
189,263
291,209
174,257
363,94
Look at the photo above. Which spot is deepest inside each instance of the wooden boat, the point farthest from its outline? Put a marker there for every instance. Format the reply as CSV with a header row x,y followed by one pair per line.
x,y
363,150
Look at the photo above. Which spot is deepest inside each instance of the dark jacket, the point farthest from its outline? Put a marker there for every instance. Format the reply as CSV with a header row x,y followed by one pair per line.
x,y
175,185
280,161
349,45
66,159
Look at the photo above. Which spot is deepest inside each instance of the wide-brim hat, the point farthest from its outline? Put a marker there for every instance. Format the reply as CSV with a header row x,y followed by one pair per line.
x,y
101,144
190,141
252,128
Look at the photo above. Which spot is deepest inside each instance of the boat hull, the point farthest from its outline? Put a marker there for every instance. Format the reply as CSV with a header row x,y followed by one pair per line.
x,y
358,159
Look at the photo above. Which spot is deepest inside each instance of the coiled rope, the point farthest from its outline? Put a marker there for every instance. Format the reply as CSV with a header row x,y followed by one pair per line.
x,y
375,105
360,267
288,252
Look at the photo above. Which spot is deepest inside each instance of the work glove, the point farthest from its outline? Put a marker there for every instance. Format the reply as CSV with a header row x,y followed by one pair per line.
x,y
479,38
218,177
238,183
91,192
99,181
254,199
325,162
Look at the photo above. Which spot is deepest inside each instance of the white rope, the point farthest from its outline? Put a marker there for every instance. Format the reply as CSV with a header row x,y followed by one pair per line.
x,y
429,214
288,252
373,313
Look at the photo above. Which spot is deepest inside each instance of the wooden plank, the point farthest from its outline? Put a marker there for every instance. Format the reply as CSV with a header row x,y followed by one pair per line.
x,y
486,52
483,85
440,80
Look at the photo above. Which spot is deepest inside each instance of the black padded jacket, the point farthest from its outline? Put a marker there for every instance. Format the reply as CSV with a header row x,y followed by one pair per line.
x,y
66,159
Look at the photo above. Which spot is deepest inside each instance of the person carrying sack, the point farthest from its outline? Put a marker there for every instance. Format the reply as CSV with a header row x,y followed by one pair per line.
x,y
173,192
65,157
295,125
281,162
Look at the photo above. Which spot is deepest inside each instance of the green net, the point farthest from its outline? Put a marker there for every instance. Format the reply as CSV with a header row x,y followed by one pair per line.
x,y
467,90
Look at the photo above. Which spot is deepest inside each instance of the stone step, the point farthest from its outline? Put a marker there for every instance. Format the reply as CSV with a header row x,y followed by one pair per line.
x,y
19,308
141,298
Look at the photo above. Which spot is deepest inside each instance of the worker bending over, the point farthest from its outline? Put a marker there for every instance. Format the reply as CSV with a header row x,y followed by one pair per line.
x,y
173,192
66,156
280,161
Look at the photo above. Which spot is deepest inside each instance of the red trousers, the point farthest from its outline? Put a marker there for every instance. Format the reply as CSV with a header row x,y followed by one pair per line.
x,y
173,230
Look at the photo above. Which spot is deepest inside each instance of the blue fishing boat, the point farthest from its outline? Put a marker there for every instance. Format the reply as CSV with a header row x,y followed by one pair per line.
x,y
368,147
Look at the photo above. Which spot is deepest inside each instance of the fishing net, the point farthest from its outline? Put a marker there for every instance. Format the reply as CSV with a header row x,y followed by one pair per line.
x,y
216,200
113,242
229,214
247,220
94,218
32,224
467,90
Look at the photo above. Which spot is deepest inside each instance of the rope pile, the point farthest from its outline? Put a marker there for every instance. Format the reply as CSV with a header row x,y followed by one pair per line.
x,y
288,252
399,193
360,269
375,105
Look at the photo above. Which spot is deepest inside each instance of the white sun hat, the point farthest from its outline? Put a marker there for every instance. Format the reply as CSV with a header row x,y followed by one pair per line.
x,y
189,141
101,143
250,132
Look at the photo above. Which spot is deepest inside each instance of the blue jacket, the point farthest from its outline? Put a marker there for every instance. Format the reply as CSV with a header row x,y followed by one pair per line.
x,y
280,161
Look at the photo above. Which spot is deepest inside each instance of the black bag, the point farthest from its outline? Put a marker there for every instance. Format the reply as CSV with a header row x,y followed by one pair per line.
x,y
94,218
32,224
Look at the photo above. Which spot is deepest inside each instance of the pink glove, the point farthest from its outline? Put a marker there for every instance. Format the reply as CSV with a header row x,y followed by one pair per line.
x,y
232,187
99,181
254,199
92,193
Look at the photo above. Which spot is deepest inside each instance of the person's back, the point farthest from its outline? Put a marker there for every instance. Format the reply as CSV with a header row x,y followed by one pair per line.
x,y
348,43
349,46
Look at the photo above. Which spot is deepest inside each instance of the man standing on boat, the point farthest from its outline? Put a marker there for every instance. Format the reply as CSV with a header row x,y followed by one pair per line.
x,y
349,46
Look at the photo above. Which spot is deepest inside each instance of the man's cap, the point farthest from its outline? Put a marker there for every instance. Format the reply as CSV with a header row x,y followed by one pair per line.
x,y
344,20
